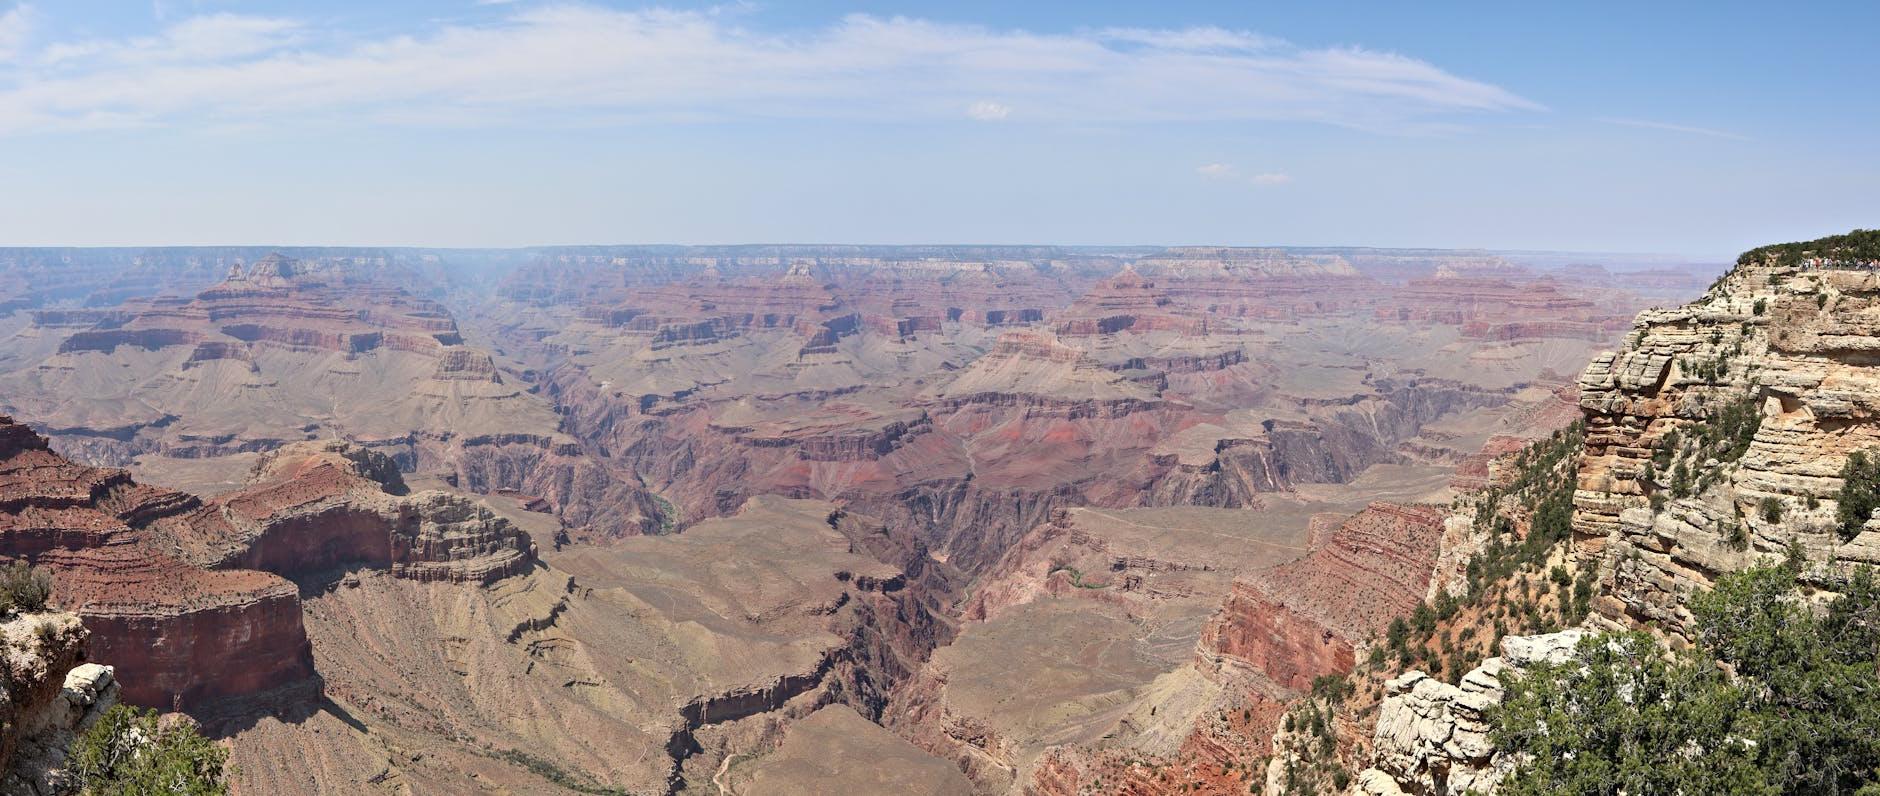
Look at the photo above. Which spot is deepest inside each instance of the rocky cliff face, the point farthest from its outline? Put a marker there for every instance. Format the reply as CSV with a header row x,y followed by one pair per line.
x,y
1309,617
50,693
1718,434
191,599
1432,737
1714,439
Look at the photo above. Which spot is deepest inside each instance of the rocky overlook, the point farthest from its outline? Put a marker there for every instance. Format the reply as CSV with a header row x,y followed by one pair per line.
x,y
1719,434
1727,434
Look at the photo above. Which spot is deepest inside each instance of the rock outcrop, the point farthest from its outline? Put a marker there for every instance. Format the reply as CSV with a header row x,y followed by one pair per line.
x,y
1432,738
50,693
191,599
1309,617
1717,436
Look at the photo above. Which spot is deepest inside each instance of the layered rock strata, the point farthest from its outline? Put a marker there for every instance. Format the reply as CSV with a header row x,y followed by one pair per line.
x,y
1717,436
190,599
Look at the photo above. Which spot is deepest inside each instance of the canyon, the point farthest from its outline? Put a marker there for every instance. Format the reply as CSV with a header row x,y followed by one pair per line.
x,y
729,519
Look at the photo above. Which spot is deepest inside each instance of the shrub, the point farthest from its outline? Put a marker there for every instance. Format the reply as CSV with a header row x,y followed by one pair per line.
x,y
1859,247
1770,509
1860,493
23,589
1798,715
127,751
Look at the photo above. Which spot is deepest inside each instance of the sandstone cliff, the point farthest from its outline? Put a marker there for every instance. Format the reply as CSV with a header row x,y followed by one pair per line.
x,y
1717,436
1715,439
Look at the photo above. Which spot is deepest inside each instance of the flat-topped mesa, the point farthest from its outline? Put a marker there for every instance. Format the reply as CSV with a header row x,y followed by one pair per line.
x,y
191,598
1718,435
466,364
1033,368
315,506
1187,262
1501,309
181,635
275,303
1257,283
1130,302
837,432
905,298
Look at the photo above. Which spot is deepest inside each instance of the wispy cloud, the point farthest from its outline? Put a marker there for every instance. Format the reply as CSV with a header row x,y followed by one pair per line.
x,y
200,40
988,111
1217,171
1228,172
15,24
1677,128
577,64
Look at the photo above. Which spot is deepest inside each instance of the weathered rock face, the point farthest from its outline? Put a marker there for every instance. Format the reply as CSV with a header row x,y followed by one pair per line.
x,y
180,633
1493,307
1432,737
1775,361
1308,617
319,506
641,664
50,693
1127,302
188,598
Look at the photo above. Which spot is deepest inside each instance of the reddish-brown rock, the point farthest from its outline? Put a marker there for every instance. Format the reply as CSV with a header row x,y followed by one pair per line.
x,y
174,589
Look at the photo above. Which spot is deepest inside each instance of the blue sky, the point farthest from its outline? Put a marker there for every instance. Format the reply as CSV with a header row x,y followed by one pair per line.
x,y
1692,128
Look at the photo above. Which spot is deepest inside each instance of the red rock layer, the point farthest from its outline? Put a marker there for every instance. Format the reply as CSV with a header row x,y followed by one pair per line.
x,y
174,589
1305,618
179,635
1127,302
1500,309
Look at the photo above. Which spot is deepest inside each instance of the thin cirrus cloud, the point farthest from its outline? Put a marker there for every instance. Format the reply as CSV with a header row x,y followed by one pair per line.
x,y
1227,172
1677,128
580,64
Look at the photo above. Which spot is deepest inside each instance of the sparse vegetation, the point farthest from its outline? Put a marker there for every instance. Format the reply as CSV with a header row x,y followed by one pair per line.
x,y
1770,509
555,774
1526,521
1857,248
1860,493
1077,577
128,752
23,589
668,514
